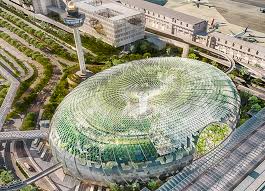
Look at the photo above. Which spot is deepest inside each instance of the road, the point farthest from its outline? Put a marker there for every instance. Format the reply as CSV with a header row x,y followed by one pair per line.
x,y
189,42
22,158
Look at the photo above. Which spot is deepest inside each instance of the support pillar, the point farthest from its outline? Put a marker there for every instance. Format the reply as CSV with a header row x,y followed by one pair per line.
x,y
79,51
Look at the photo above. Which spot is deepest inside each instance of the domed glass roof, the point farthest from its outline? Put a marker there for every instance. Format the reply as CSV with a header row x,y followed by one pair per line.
x,y
143,109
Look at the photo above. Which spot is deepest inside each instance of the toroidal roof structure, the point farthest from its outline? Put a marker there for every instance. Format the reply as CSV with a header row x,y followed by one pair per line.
x,y
141,118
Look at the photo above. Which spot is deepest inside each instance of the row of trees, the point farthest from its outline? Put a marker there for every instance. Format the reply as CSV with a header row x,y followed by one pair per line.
x,y
135,186
19,62
29,122
14,69
40,39
23,104
6,177
3,92
60,91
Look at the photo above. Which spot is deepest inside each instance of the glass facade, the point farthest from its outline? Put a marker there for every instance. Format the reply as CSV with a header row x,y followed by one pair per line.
x,y
141,118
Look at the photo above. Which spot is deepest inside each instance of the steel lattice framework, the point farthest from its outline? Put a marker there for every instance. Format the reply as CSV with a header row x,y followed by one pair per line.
x,y
141,118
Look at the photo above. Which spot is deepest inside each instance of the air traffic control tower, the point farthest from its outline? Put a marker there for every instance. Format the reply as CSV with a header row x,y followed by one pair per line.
x,y
74,20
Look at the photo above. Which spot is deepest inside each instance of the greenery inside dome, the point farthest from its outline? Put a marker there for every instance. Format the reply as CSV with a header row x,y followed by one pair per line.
x,y
211,137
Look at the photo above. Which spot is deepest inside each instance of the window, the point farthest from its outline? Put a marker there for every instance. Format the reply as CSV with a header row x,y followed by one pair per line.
x,y
233,44
226,42
249,50
240,47
257,53
218,39
187,25
180,23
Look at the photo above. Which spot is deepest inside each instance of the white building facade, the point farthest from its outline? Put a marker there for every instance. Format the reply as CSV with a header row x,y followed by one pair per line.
x,y
240,50
111,22
168,21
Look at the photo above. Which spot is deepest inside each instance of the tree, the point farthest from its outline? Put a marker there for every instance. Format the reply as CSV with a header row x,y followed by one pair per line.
x,y
256,107
117,62
204,60
147,55
29,188
253,100
114,187
214,63
243,71
135,186
6,177
193,56
152,185
232,76
29,121
169,51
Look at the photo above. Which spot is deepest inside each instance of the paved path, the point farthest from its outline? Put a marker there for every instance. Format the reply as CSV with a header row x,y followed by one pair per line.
x,y
45,19
7,103
26,60
15,64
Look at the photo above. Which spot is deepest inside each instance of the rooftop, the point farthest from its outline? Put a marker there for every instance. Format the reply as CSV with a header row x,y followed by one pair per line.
x,y
163,11
110,10
148,107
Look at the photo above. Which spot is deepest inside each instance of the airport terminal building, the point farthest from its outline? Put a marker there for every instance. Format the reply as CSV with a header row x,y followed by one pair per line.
x,y
168,21
240,50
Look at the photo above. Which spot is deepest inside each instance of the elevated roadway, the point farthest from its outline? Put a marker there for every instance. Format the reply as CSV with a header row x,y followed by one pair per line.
x,y
22,135
184,43
21,184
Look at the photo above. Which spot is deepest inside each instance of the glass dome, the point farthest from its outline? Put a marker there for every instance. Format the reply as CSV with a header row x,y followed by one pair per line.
x,y
141,118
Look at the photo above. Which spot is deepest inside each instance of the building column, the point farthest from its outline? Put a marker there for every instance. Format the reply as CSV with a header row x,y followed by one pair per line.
x,y
79,51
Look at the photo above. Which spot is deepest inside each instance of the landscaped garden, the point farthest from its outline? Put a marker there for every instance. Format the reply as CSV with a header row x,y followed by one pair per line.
x,y
6,177
211,137
3,92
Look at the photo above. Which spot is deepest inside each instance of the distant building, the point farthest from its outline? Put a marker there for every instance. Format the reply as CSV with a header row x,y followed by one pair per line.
x,y
240,50
118,25
114,23
107,20
168,21
36,6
